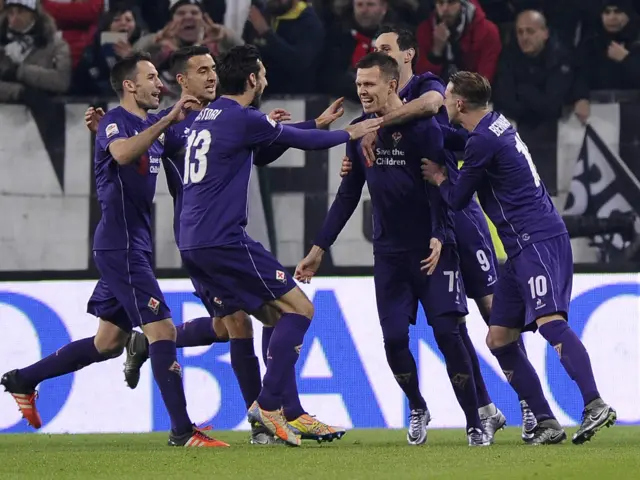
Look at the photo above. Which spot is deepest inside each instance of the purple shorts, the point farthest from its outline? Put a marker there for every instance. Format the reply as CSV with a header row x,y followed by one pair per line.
x,y
243,276
400,286
533,284
127,294
478,261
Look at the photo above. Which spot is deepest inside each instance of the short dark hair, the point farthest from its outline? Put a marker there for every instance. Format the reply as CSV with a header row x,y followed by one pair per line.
x,y
179,59
473,87
126,69
234,68
387,65
406,39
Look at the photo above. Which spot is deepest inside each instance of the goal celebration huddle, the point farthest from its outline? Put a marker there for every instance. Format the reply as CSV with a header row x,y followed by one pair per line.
x,y
431,242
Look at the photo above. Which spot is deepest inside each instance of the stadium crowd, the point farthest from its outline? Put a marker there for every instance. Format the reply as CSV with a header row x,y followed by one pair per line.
x,y
540,55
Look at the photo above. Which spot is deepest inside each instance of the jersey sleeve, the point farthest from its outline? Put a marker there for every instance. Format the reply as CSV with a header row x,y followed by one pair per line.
x,y
478,154
430,84
261,131
346,200
110,129
174,143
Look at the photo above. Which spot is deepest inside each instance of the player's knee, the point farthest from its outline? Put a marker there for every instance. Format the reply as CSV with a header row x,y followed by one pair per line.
x,y
159,331
500,336
239,325
446,331
110,347
295,301
395,332
220,329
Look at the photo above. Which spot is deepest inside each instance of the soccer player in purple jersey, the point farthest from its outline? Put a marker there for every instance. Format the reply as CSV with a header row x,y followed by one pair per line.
x,y
410,228
422,97
127,161
236,272
194,69
534,289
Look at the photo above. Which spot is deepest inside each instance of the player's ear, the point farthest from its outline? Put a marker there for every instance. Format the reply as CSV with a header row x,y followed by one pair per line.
x,y
408,56
181,80
129,86
253,80
393,86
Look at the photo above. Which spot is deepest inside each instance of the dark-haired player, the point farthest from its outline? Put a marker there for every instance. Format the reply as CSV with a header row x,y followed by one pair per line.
x,y
422,97
236,272
194,69
127,161
410,229
534,289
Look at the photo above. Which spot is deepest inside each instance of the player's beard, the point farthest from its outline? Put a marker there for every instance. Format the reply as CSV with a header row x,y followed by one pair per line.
x,y
257,100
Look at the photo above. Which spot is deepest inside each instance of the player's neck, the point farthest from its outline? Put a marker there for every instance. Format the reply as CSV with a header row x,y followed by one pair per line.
x,y
131,106
393,103
245,100
472,119
405,77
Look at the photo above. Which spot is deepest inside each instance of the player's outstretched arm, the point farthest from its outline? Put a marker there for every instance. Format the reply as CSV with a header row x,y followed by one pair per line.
x,y
477,157
321,140
125,151
427,105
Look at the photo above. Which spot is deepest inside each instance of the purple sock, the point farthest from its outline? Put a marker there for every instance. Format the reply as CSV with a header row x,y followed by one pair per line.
x,y
523,379
246,367
284,346
460,371
195,333
524,350
573,356
70,358
481,389
266,338
403,366
168,376
290,397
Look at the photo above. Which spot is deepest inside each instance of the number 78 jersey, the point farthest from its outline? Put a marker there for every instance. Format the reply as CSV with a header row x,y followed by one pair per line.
x,y
499,167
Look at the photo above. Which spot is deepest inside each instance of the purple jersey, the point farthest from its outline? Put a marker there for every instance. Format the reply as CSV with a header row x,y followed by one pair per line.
x,y
215,199
125,192
173,160
497,165
407,212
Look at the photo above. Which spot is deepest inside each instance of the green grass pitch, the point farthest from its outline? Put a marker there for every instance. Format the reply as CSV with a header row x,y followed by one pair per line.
x,y
362,454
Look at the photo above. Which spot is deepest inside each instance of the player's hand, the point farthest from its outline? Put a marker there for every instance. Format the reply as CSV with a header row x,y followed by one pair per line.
x,y
309,265
279,115
360,129
430,263
368,144
331,114
92,117
347,166
182,108
432,172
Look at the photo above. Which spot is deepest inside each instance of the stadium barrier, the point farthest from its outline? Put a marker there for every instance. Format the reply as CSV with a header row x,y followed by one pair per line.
x,y
342,372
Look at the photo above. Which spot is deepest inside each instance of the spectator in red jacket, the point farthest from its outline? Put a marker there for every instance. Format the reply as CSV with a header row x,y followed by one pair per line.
x,y
458,36
77,20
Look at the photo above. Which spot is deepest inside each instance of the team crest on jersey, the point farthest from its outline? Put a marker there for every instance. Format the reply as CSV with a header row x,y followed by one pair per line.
x,y
111,130
154,305
397,136
161,139
281,277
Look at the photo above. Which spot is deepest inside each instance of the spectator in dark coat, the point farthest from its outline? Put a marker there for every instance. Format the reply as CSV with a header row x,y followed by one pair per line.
x,y
290,36
458,36
609,60
535,75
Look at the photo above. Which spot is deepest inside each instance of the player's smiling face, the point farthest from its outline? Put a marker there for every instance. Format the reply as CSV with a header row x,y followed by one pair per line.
x,y
147,86
200,79
388,43
453,104
373,89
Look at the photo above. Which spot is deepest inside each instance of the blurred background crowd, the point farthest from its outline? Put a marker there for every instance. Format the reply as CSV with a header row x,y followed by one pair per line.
x,y
540,55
